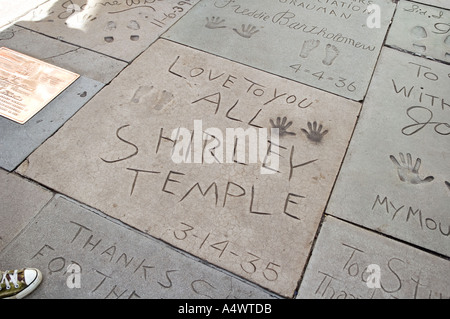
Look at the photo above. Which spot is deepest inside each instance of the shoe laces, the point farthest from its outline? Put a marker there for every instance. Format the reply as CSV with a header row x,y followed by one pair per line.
x,y
8,277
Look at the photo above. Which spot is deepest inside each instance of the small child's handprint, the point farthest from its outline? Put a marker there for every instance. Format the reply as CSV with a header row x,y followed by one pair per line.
x,y
315,133
407,173
214,23
247,31
282,126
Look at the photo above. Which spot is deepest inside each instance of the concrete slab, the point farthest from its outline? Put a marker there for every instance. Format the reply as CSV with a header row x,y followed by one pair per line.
x,y
13,11
421,29
396,175
113,262
310,42
81,61
438,3
349,262
120,29
20,201
17,141
160,149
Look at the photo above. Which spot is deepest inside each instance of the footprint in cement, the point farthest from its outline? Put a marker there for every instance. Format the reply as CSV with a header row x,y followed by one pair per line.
x,y
112,25
164,98
141,92
133,25
447,42
419,33
109,39
448,184
308,46
331,53
158,99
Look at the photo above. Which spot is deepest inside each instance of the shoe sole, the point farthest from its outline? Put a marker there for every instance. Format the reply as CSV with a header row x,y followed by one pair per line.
x,y
36,282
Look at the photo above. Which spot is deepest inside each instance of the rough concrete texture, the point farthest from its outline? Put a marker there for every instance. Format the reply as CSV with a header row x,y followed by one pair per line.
x,y
84,255
149,146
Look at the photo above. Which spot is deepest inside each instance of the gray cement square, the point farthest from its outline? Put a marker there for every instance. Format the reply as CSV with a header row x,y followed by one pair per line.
x,y
11,11
421,29
20,201
160,149
18,141
84,255
79,60
437,3
396,175
349,262
326,44
120,29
